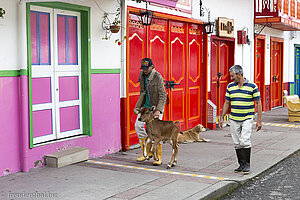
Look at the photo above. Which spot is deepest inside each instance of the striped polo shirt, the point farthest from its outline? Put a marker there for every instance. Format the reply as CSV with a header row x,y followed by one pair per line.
x,y
242,100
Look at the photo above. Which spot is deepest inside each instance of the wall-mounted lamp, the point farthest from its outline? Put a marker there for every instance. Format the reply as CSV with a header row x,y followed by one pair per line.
x,y
209,26
2,12
146,16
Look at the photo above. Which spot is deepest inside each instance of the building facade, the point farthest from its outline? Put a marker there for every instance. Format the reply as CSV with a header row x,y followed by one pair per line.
x,y
66,80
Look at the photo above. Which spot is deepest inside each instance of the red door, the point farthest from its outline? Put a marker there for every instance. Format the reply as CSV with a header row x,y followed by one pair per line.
x,y
222,58
158,50
175,48
194,79
259,67
137,46
177,72
276,72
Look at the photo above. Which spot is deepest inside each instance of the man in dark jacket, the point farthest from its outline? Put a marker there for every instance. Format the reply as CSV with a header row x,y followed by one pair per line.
x,y
152,93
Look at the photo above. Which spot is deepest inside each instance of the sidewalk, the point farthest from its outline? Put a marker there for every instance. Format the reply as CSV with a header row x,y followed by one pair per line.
x,y
204,170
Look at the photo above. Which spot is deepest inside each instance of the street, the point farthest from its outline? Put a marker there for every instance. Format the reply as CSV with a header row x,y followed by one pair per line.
x,y
280,182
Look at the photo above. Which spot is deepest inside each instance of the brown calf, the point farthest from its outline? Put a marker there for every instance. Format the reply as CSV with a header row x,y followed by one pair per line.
x,y
159,130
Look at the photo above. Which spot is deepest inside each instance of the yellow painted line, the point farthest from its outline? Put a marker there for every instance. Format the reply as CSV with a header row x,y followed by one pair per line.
x,y
281,125
156,170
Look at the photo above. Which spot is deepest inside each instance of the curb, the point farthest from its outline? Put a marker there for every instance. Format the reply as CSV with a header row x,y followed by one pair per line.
x,y
219,190
215,191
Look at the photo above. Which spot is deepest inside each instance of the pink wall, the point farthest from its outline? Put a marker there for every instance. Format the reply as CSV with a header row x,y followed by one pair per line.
x,y
9,126
106,137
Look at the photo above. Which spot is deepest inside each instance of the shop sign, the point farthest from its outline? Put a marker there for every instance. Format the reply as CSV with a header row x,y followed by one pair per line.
x,y
225,27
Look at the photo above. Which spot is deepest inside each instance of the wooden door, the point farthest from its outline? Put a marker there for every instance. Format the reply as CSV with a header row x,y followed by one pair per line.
x,y
177,73
276,72
43,100
158,52
175,48
67,72
297,71
222,58
194,79
137,50
56,74
259,68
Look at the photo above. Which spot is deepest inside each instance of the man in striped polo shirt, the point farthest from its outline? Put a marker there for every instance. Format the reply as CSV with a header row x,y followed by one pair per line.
x,y
241,94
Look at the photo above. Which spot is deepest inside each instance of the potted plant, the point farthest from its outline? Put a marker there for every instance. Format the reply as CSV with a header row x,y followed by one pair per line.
x,y
2,12
116,24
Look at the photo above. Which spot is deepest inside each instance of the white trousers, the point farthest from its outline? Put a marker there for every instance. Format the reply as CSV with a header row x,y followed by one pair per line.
x,y
241,133
140,127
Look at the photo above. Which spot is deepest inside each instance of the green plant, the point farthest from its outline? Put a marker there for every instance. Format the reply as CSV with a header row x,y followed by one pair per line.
x,y
2,12
117,20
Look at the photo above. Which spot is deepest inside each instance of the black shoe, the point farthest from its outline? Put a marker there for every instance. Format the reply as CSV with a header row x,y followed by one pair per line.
x,y
239,169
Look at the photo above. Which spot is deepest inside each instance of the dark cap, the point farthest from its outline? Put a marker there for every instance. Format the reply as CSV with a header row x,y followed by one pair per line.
x,y
146,63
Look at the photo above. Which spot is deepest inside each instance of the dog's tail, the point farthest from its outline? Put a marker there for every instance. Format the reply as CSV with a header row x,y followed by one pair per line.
x,y
178,122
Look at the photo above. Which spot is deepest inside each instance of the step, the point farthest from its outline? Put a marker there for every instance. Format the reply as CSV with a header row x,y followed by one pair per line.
x,y
67,157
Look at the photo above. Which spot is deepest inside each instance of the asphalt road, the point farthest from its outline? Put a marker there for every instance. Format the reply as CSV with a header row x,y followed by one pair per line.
x,y
280,182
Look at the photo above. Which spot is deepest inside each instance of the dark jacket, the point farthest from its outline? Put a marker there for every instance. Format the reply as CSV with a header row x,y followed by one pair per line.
x,y
157,90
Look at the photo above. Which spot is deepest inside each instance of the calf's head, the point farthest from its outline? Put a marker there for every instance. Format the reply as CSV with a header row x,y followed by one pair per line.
x,y
146,115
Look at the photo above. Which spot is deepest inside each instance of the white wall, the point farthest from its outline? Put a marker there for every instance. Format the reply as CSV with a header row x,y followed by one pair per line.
x,y
105,53
8,36
243,13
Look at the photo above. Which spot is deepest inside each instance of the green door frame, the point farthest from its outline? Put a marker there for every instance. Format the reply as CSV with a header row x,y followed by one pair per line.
x,y
296,84
85,61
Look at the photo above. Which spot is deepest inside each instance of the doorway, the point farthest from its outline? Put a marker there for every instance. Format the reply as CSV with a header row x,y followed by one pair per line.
x,y
276,72
297,70
259,68
222,58
176,50
56,74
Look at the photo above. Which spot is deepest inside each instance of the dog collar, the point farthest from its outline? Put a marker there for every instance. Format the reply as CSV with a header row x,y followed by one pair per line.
x,y
151,120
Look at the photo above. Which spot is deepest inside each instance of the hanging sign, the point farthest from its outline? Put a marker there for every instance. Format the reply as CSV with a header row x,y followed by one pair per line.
x,y
225,27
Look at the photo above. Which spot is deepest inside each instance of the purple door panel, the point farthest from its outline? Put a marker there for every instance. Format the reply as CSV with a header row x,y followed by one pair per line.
x,y
41,90
69,118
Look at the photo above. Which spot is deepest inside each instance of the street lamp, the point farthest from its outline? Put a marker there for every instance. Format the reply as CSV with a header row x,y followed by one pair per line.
x,y
146,16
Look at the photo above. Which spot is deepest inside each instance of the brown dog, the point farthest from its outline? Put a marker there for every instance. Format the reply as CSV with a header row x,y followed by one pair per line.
x,y
191,135
159,130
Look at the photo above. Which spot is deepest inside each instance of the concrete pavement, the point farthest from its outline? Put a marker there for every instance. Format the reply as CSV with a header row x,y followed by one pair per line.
x,y
204,170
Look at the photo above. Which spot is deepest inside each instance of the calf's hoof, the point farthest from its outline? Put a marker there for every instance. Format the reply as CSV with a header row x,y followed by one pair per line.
x,y
168,167
148,157
173,165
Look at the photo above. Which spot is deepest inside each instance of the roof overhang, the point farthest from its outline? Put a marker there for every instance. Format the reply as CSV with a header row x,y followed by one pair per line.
x,y
279,23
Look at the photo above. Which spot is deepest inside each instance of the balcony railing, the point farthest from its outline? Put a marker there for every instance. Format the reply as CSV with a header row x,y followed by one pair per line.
x,y
286,12
266,8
